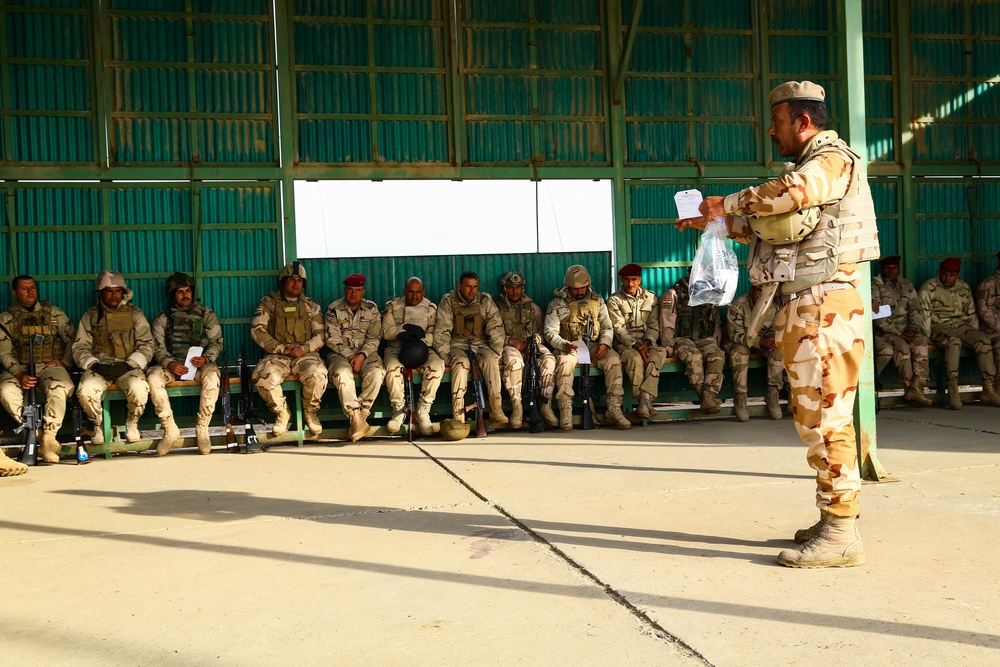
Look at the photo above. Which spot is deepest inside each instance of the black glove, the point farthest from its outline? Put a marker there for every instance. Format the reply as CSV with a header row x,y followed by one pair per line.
x,y
111,372
412,332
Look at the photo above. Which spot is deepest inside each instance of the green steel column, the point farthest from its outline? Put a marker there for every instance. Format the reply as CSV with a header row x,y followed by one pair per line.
x,y
907,221
852,124
619,138
284,30
101,94
8,130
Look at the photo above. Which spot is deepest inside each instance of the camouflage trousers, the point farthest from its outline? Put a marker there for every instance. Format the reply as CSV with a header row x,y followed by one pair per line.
x,y
513,370
996,350
342,377
431,372
910,358
54,381
822,346
489,366
92,387
703,361
739,361
209,377
610,365
644,377
953,340
272,370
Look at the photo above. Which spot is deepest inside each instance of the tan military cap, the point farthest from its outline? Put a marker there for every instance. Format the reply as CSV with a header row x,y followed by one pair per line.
x,y
577,276
797,90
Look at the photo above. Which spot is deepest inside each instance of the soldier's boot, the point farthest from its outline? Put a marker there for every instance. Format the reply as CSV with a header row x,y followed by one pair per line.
x,y
96,432
396,421
496,411
424,425
954,398
312,423
170,435
803,535
132,426
359,427
740,407
914,394
545,410
49,447
836,544
709,403
773,403
458,410
9,467
613,415
989,395
281,418
645,409
516,412
566,414
201,436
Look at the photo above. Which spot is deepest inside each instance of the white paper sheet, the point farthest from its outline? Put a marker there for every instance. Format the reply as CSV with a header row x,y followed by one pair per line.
x,y
193,351
688,202
883,311
582,352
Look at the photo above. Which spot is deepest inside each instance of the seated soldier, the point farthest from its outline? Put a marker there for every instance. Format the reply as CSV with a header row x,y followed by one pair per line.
x,y
898,335
739,346
988,309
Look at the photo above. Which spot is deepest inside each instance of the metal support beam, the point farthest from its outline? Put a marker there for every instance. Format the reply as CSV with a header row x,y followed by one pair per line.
x,y
626,52
619,138
285,74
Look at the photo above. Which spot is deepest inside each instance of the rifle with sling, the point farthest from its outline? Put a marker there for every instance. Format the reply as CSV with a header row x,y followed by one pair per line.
x,y
411,403
31,413
587,383
477,385
227,407
531,388
248,408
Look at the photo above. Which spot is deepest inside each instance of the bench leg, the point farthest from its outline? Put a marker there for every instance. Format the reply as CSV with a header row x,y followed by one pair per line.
x,y
105,425
299,435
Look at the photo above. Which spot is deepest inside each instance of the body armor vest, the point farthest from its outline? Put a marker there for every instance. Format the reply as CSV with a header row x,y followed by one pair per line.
x,y
693,322
290,323
114,331
185,328
420,314
572,327
518,318
25,324
468,320
845,234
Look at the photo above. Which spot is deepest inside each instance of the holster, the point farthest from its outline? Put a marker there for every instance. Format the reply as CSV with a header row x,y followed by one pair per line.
x,y
767,293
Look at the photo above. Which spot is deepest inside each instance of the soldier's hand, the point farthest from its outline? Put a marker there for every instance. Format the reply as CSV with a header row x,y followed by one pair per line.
x,y
768,344
710,208
568,348
643,350
55,362
357,361
909,336
177,368
294,351
27,381
602,351
198,362
520,344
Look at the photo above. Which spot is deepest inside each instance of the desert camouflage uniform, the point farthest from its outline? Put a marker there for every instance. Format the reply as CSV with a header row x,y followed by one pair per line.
x,y
907,315
305,316
54,380
349,333
451,339
951,323
636,319
205,332
565,324
693,335
519,320
740,344
423,315
988,308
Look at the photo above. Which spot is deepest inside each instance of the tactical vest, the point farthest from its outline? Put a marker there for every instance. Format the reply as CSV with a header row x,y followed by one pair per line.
x,y
845,234
695,322
518,318
572,327
290,323
421,314
468,320
24,325
114,331
185,328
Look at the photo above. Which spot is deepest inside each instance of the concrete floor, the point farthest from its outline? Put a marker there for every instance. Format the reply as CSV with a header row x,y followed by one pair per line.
x,y
653,546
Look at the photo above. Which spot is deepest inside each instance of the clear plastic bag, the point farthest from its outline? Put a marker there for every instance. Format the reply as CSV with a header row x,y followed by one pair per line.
x,y
715,271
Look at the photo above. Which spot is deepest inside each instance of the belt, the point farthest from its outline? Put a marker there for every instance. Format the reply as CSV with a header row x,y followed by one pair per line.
x,y
783,300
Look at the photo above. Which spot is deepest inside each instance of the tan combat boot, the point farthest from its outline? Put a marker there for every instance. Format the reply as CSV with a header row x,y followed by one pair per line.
x,y
954,398
516,412
202,437
281,419
740,407
49,447
773,403
458,410
132,427
359,427
989,395
836,544
496,411
803,535
170,435
96,432
9,467
565,414
548,416
312,423
424,425
396,421
614,415
709,403
914,394
645,409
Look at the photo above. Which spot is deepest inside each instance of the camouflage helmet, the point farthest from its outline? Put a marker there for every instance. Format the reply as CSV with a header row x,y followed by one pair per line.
x,y
453,429
577,277
512,278
109,279
176,281
785,228
292,269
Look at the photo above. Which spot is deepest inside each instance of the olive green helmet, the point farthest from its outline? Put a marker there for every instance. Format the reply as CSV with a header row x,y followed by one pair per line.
x,y
785,228
453,429
176,281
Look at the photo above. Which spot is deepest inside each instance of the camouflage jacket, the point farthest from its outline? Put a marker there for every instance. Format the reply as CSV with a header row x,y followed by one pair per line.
x,y
210,324
141,337
907,311
353,332
559,310
947,308
524,314
62,327
492,335
261,328
738,321
988,303
397,313
679,320
634,318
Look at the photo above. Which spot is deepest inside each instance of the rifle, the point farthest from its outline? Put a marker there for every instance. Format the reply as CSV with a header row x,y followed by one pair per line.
x,y
531,388
76,412
587,383
227,407
248,408
31,413
411,402
477,385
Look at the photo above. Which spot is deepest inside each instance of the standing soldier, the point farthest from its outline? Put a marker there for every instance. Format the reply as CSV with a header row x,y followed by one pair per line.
x,y
411,315
184,324
467,317
952,324
741,343
288,326
353,332
523,318
988,308
25,318
898,335
574,306
635,315
113,345
693,335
